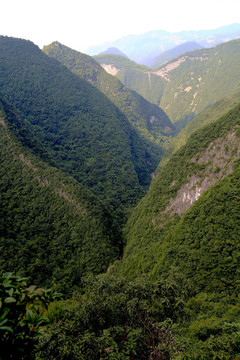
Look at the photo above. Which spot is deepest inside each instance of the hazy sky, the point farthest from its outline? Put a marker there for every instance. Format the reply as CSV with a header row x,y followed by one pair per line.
x,y
83,23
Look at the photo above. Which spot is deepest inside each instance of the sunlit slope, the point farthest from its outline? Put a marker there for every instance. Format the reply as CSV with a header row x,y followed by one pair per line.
x,y
188,84
206,117
198,79
136,77
86,134
190,216
52,229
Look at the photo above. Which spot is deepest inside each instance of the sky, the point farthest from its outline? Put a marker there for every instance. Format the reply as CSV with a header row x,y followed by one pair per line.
x,y
80,24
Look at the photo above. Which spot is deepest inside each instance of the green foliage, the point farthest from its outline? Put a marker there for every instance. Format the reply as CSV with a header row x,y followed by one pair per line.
x,y
136,77
120,62
148,119
202,78
115,319
212,331
195,80
22,311
208,116
156,240
52,229
85,133
202,243
175,293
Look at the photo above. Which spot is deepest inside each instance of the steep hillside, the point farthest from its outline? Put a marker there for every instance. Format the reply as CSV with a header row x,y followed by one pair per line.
x,y
52,229
179,297
84,132
189,218
199,79
120,62
206,117
172,53
136,77
188,84
150,121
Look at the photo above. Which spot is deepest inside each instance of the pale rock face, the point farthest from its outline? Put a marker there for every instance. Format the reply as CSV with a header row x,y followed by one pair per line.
x,y
163,71
110,69
2,122
218,161
153,119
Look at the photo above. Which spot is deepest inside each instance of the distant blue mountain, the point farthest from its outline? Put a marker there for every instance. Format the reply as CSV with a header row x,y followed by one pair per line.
x,y
176,51
146,47
113,51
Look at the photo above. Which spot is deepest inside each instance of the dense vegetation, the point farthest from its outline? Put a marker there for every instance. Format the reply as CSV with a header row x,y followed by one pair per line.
x,y
152,219
84,132
206,117
52,229
21,316
120,62
204,77
116,319
135,77
186,85
148,119
202,243
165,288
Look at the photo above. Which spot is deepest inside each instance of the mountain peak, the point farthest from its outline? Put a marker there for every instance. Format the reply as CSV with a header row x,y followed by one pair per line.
x,y
113,51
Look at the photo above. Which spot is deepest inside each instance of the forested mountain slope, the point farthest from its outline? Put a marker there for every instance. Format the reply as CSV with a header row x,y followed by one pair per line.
x,y
188,223
84,132
175,293
199,79
206,117
189,83
151,122
136,77
189,218
52,229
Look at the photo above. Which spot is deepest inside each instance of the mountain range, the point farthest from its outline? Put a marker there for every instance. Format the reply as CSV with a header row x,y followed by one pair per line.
x,y
186,85
120,187
149,120
175,52
145,48
76,122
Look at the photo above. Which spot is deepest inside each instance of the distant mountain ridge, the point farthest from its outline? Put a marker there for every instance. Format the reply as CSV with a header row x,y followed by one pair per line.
x,y
198,79
113,50
186,85
139,78
175,52
145,47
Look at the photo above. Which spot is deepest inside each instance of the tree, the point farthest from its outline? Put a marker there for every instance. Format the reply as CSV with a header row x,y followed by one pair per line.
x,y
22,311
